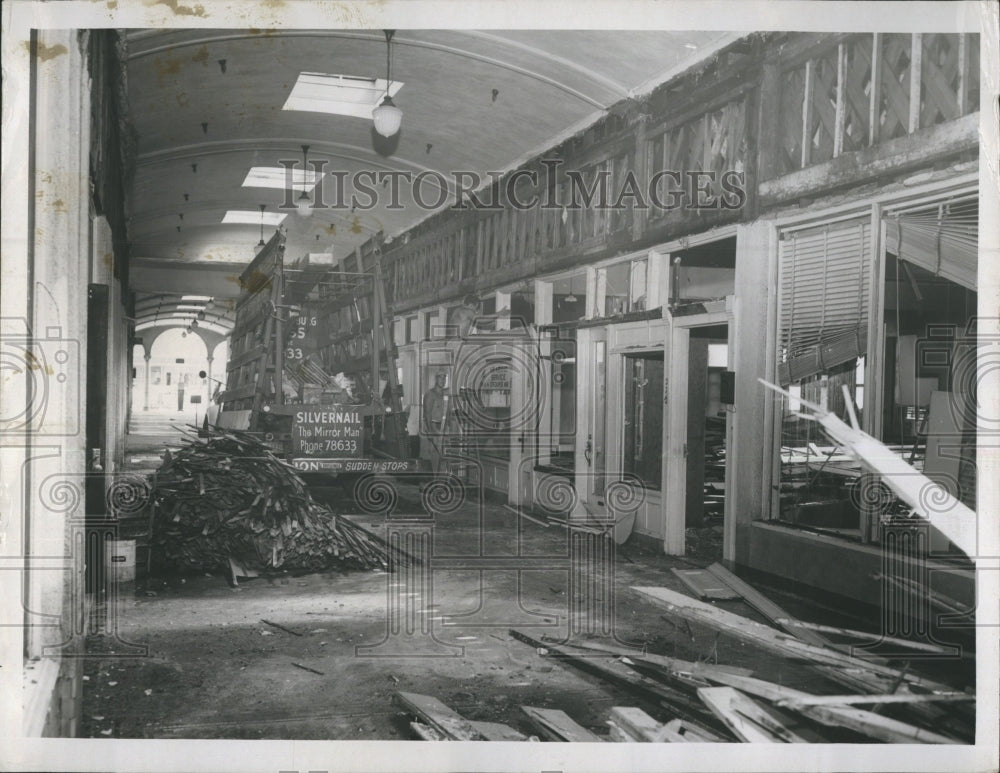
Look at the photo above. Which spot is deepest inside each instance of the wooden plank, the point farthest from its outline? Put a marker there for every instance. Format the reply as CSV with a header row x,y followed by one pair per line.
x,y
764,605
557,725
621,676
497,731
748,720
426,732
807,112
675,664
636,725
793,626
840,118
850,700
774,641
437,715
861,721
691,733
916,66
705,585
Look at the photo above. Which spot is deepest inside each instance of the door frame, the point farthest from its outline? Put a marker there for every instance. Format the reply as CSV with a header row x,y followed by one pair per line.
x,y
675,448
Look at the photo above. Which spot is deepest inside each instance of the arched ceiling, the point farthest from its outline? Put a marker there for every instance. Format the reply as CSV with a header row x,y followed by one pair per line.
x,y
207,106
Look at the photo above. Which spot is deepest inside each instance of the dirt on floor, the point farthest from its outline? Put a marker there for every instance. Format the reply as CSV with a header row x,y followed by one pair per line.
x,y
192,657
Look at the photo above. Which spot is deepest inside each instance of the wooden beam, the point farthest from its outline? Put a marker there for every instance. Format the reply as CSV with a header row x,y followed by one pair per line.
x,y
750,721
557,725
497,731
889,157
861,721
621,676
427,733
764,605
850,700
916,65
631,724
875,105
434,713
807,113
840,115
706,585
775,641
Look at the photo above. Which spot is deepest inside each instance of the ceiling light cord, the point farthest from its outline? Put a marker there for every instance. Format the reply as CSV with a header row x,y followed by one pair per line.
x,y
304,203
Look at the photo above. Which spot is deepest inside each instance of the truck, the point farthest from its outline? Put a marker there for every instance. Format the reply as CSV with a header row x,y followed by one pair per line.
x,y
312,363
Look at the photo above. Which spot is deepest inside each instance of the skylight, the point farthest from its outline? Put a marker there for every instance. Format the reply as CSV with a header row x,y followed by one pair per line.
x,y
196,297
339,94
253,217
278,176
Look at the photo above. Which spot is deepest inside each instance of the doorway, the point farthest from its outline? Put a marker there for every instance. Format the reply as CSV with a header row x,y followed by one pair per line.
x,y
700,425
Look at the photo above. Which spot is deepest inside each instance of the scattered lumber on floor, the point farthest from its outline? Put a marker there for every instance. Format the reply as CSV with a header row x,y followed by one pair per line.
x,y
426,732
865,722
630,724
557,725
624,678
443,720
705,585
763,604
850,700
225,502
881,678
497,731
750,721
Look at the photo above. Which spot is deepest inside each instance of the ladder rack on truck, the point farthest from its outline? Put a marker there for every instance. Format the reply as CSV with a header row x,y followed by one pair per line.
x,y
312,365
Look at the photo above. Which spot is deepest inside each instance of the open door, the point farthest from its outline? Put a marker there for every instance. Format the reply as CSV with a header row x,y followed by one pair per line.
x,y
699,427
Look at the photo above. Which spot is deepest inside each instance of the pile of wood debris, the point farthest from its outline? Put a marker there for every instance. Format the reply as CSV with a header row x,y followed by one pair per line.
x,y
225,502
704,702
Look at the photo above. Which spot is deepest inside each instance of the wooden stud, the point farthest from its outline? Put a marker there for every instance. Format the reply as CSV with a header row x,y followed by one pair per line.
x,y
807,112
916,66
840,119
963,74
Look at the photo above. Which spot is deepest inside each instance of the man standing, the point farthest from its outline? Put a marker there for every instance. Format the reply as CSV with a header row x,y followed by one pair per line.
x,y
434,417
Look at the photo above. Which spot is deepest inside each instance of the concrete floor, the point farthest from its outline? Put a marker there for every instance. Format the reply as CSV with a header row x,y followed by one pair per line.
x,y
213,669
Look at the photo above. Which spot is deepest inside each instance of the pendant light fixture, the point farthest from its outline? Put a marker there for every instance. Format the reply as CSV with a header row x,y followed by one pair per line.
x,y
387,117
260,245
304,202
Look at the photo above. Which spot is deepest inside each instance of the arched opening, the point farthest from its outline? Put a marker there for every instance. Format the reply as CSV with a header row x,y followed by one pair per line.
x,y
174,386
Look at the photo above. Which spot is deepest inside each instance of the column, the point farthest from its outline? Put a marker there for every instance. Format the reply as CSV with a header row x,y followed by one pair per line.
x,y
145,385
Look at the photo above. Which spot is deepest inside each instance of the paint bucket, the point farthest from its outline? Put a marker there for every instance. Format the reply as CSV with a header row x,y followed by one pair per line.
x,y
119,560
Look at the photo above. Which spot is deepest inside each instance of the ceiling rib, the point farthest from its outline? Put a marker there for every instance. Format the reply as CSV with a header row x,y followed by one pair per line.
x,y
397,41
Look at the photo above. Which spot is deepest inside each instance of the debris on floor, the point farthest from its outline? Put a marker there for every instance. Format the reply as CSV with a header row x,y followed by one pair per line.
x,y
710,702
225,502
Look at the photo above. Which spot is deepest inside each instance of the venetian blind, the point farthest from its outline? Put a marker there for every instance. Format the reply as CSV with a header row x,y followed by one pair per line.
x,y
943,242
823,308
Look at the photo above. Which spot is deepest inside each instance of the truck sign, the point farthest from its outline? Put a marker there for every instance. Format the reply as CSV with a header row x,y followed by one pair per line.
x,y
332,432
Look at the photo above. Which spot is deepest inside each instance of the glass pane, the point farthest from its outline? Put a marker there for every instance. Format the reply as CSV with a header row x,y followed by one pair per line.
x,y
616,294
643,447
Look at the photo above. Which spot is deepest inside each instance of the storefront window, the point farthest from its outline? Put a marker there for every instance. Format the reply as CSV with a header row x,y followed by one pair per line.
x,y
824,277
643,446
